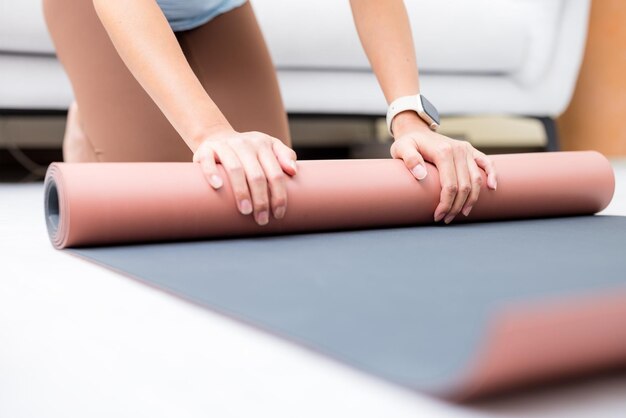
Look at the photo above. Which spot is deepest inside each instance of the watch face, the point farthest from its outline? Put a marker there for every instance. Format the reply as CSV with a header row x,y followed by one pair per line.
x,y
430,109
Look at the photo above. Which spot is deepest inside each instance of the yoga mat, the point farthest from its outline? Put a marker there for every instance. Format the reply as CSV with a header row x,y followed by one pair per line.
x,y
111,203
459,311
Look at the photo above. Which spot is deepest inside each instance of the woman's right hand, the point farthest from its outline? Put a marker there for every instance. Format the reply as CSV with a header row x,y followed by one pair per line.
x,y
254,162
256,165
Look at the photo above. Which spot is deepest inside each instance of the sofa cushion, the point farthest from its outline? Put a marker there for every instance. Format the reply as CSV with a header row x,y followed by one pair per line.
x,y
22,28
450,35
482,36
548,44
33,82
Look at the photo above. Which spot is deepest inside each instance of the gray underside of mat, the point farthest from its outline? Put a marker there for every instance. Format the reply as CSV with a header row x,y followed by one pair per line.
x,y
411,305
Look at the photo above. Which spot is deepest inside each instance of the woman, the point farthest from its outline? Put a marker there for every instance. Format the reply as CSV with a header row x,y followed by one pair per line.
x,y
181,80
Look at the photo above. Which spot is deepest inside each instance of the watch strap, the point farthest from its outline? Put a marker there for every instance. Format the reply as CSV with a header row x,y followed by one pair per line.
x,y
404,103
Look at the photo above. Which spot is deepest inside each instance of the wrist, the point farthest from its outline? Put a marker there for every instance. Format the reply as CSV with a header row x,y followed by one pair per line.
x,y
408,121
209,132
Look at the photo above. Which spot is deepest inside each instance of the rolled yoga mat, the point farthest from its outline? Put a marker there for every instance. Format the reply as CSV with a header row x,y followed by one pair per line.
x,y
112,203
459,311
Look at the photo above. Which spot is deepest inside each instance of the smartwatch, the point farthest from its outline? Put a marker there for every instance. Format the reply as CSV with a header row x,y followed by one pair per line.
x,y
417,103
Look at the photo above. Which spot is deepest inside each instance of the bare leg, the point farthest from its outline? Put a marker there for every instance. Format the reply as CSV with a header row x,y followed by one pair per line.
x,y
76,145
118,118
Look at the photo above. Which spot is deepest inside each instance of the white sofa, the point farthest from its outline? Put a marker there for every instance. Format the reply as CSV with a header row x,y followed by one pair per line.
x,y
518,57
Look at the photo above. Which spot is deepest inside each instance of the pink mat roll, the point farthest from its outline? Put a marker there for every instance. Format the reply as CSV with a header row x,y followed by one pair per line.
x,y
109,203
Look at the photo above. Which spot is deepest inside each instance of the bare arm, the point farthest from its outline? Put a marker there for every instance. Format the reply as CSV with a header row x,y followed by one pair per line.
x,y
255,162
148,47
385,34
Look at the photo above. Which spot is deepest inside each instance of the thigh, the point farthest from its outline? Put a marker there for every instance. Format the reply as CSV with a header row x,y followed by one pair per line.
x,y
231,59
119,118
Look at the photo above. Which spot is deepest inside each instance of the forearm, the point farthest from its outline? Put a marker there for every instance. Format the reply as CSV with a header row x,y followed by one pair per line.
x,y
385,34
149,48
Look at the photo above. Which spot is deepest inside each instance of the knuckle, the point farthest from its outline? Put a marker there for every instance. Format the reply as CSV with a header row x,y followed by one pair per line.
x,y
257,178
276,177
241,193
236,141
280,201
444,150
235,170
477,180
261,205
451,188
446,205
486,161
413,158
465,188
261,138
459,148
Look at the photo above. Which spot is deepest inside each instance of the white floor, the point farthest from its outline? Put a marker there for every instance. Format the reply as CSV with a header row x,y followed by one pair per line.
x,y
78,340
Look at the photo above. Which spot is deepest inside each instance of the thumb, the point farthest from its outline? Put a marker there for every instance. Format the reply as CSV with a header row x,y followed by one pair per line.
x,y
286,157
407,151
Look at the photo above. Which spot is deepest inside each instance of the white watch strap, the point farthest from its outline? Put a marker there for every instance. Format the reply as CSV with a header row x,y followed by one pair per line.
x,y
404,103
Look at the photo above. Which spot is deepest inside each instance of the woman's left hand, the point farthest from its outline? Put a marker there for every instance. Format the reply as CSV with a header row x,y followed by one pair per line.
x,y
458,162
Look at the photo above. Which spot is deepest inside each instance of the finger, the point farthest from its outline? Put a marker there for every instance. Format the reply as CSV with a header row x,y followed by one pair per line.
x,y
206,159
476,178
234,168
463,182
444,160
486,164
408,152
276,181
257,183
286,157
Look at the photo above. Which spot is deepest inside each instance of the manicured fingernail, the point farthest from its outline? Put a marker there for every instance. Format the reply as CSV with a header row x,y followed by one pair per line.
x,y
419,171
293,165
263,218
216,181
448,219
246,207
492,183
439,216
279,213
467,210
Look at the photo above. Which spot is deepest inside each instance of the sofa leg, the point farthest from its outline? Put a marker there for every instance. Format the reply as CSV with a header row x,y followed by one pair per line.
x,y
552,135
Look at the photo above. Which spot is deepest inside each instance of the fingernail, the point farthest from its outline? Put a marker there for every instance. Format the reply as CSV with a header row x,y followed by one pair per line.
x,y
246,207
419,171
448,219
293,165
439,216
493,184
216,181
279,213
467,210
263,218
